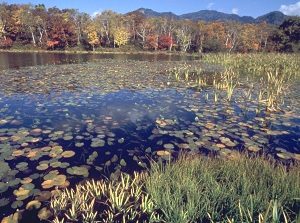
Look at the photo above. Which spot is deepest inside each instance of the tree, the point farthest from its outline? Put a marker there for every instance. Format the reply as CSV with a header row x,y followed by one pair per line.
x,y
184,34
104,23
288,35
135,18
121,36
248,38
233,32
165,42
214,39
264,32
3,19
92,34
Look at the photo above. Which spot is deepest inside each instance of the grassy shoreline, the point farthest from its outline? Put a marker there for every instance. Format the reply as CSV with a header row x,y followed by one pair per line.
x,y
192,189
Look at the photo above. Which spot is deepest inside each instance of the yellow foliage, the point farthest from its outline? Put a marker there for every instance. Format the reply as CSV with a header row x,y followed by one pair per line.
x,y
121,36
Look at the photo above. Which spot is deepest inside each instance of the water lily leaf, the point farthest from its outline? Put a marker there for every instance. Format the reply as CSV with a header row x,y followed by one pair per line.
x,y
13,218
4,201
44,214
163,153
43,196
114,159
68,153
169,146
34,204
16,204
121,140
123,162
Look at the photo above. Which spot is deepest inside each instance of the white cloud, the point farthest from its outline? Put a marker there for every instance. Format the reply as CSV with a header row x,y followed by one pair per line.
x,y
97,13
290,9
210,5
235,11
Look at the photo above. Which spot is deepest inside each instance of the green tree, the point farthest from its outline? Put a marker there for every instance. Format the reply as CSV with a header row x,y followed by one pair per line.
x,y
288,35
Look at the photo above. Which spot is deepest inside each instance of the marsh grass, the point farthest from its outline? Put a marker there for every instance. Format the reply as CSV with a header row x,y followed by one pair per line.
x,y
105,201
270,73
201,189
191,189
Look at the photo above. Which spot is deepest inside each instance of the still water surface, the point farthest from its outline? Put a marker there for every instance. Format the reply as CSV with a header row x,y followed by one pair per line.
x,y
17,60
85,116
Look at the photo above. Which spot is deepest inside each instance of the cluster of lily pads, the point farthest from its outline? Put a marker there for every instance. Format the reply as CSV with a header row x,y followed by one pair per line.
x,y
62,124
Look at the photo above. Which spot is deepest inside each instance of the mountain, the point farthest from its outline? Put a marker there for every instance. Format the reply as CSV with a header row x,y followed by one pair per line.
x,y
275,17
211,15
151,13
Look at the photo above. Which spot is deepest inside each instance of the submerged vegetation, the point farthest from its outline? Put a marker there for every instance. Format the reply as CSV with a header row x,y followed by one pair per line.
x,y
91,124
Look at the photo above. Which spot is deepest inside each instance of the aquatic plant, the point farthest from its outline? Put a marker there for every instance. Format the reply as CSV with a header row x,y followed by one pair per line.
x,y
201,189
230,79
119,200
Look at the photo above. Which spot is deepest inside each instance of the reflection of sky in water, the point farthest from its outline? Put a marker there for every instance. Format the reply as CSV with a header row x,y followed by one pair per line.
x,y
131,109
131,116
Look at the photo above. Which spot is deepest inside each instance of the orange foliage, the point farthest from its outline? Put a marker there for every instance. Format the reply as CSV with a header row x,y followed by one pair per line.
x,y
51,44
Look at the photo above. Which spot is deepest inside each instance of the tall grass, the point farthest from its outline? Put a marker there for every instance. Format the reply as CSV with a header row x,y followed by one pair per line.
x,y
105,201
269,73
191,189
200,189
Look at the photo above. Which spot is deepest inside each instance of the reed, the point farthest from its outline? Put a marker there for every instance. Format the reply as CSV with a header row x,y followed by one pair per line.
x,y
123,200
200,189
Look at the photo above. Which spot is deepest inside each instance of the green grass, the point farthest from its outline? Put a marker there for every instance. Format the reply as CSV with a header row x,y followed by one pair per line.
x,y
201,189
191,189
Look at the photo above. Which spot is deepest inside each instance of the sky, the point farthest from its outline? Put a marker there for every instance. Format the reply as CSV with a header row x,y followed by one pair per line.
x,y
252,8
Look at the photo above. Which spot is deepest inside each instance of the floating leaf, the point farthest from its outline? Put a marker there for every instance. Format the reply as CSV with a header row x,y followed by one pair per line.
x,y
121,140
43,195
35,204
68,153
163,153
114,159
123,162
44,214
4,202
168,146
16,204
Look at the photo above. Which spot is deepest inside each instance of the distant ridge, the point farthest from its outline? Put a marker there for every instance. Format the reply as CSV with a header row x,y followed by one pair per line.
x,y
275,17
151,13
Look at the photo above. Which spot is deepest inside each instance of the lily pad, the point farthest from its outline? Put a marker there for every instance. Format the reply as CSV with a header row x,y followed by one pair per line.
x,y
68,153
17,204
163,153
44,214
4,202
34,204
43,196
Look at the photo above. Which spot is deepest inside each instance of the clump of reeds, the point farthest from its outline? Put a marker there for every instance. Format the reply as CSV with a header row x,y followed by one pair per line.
x,y
201,189
191,189
105,201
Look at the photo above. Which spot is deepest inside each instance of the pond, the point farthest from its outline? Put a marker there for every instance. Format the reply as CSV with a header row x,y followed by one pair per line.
x,y
17,60
61,124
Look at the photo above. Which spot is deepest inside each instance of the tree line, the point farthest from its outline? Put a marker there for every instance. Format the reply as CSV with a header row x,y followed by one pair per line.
x,y
28,26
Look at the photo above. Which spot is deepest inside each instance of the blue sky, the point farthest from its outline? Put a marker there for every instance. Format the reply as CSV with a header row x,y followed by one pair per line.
x,y
252,8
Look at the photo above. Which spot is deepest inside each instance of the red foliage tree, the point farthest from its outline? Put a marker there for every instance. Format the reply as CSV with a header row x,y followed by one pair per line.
x,y
151,42
165,42
5,43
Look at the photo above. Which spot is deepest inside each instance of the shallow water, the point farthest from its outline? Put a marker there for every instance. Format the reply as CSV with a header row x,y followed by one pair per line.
x,y
87,120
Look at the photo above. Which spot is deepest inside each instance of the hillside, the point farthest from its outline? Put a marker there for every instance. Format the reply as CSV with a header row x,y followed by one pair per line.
x,y
275,17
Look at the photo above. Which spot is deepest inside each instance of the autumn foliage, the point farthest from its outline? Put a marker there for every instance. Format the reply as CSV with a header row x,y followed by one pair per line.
x,y
53,28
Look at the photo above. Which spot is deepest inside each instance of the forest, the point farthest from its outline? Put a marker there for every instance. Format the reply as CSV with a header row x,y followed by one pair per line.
x,y
34,27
